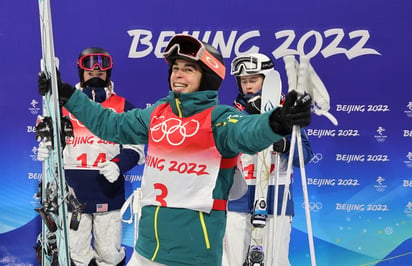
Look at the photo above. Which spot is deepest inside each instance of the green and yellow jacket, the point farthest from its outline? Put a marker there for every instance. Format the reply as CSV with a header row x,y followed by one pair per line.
x,y
177,236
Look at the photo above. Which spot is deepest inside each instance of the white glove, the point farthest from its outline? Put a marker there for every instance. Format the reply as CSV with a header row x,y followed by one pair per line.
x,y
43,152
110,170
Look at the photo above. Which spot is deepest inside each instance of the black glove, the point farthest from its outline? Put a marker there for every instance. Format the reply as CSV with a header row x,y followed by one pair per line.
x,y
44,86
282,145
253,105
295,111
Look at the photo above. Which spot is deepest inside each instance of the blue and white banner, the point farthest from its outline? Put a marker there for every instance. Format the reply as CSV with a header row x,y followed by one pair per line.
x,y
360,180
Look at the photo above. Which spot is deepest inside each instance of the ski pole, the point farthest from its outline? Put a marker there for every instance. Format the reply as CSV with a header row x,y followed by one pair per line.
x,y
273,229
301,86
298,82
290,67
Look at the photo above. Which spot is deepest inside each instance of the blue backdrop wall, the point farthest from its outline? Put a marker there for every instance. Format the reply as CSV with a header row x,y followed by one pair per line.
x,y
360,181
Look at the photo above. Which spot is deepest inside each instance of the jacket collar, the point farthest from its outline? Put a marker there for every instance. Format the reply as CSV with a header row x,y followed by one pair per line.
x,y
192,103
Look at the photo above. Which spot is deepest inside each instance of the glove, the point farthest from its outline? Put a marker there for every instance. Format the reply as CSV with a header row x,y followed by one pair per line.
x,y
295,111
110,170
253,105
65,89
43,84
282,145
43,152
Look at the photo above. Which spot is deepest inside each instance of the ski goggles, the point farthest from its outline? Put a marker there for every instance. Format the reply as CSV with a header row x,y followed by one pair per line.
x,y
249,64
91,61
189,47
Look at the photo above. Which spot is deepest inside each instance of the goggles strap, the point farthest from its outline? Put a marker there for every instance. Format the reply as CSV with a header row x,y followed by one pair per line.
x,y
213,63
250,65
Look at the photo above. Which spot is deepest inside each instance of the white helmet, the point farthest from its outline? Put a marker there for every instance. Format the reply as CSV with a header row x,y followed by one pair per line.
x,y
251,64
256,63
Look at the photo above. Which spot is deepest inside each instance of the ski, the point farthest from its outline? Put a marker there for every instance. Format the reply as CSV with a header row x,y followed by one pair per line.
x,y
53,242
270,98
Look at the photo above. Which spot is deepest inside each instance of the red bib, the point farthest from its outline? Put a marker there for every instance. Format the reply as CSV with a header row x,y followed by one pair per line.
x,y
86,150
182,162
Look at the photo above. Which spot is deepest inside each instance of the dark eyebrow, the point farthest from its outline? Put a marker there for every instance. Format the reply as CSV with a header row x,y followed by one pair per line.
x,y
191,65
186,64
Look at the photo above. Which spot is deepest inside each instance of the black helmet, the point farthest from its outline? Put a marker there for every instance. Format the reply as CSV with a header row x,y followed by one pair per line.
x,y
94,58
208,57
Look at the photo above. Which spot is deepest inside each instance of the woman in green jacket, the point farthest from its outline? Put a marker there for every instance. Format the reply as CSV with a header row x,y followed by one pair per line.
x,y
193,145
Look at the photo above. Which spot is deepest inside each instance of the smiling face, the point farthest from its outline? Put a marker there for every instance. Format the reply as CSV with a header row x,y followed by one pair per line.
x,y
186,76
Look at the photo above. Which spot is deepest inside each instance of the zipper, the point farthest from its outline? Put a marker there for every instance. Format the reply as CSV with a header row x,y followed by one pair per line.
x,y
156,215
178,104
201,216
204,229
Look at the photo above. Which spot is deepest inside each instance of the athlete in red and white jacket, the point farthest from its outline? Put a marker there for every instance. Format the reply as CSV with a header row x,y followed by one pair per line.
x,y
94,169
251,71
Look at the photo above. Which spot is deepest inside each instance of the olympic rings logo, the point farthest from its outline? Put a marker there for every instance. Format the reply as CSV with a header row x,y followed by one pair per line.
x,y
173,130
314,206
